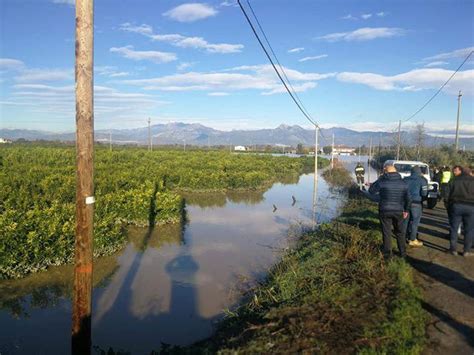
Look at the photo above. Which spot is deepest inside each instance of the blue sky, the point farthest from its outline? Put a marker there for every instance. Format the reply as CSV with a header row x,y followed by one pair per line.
x,y
357,64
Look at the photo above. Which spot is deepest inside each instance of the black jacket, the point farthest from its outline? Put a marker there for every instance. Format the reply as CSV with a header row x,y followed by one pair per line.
x,y
461,190
393,192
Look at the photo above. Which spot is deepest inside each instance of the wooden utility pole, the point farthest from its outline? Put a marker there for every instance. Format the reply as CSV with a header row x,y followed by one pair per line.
x,y
184,144
399,141
110,140
332,152
150,146
456,144
82,297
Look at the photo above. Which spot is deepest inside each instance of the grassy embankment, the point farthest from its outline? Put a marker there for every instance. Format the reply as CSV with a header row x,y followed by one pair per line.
x,y
333,293
132,187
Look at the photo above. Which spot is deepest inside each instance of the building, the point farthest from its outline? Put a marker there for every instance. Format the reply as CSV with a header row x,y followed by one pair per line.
x,y
4,141
343,150
240,148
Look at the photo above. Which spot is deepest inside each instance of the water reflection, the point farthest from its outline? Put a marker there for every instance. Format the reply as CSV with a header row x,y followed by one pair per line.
x,y
170,283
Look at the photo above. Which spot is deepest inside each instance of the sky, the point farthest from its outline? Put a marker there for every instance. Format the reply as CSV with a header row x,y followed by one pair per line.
x,y
362,65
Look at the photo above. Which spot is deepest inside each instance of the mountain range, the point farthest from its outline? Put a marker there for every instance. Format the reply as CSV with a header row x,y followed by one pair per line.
x,y
198,134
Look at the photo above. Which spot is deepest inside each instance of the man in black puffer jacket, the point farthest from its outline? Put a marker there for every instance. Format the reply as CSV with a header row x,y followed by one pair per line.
x,y
461,209
393,207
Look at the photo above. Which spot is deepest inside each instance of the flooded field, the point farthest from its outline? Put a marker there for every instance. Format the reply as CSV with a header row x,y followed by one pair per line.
x,y
171,283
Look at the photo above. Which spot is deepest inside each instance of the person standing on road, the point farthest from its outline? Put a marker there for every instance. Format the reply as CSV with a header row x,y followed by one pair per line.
x,y
445,179
418,190
394,204
359,173
461,209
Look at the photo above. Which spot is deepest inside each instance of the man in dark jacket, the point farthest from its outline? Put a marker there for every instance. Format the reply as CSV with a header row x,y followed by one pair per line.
x,y
461,209
359,173
394,205
418,189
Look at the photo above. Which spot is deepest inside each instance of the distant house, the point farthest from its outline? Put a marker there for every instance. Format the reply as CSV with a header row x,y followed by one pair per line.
x,y
343,150
240,148
5,141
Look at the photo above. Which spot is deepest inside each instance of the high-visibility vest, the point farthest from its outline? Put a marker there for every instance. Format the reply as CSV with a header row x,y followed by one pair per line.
x,y
446,177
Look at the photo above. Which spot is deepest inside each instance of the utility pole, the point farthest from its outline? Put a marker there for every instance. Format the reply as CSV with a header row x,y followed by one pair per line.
x,y
399,142
368,161
456,144
184,144
209,143
332,152
150,147
82,296
110,140
315,187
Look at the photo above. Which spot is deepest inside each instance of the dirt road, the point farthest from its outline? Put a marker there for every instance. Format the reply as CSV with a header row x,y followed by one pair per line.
x,y
447,283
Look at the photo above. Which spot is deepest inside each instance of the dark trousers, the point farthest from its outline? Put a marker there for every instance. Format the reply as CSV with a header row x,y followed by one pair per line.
x,y
411,224
464,213
395,220
360,179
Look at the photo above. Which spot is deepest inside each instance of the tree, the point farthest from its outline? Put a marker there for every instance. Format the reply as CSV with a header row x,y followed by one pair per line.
x,y
327,149
299,149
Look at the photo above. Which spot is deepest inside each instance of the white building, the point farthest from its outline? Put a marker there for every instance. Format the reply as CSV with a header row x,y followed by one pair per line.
x,y
343,150
4,141
240,148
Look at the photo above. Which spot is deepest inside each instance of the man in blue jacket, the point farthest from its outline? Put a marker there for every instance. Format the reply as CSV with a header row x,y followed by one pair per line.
x,y
394,205
418,189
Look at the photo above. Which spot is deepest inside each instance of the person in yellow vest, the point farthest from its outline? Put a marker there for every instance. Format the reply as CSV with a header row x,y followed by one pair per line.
x,y
446,176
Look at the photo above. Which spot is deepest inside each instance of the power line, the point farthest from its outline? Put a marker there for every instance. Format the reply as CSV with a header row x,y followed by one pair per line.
x,y
276,58
439,90
274,67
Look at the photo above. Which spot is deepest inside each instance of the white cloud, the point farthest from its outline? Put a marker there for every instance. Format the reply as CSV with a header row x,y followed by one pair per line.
x,y
414,80
366,16
228,3
364,34
381,14
296,50
183,41
35,75
349,17
459,53
59,100
119,74
68,2
316,57
218,93
436,64
184,65
257,77
110,71
11,64
153,56
191,12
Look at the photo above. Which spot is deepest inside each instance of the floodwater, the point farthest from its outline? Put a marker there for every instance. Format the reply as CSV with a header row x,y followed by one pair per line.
x,y
169,284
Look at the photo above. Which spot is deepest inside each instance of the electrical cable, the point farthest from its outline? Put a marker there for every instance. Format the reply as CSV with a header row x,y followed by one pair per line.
x,y
274,67
276,58
439,90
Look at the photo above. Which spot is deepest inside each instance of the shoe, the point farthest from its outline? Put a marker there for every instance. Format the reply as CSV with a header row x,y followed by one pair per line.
x,y
453,252
467,253
415,243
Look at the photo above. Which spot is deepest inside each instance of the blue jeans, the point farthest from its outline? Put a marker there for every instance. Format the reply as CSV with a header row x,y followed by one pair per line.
x,y
412,222
461,213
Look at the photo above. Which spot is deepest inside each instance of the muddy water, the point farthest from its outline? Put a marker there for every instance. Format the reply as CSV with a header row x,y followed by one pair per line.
x,y
169,284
